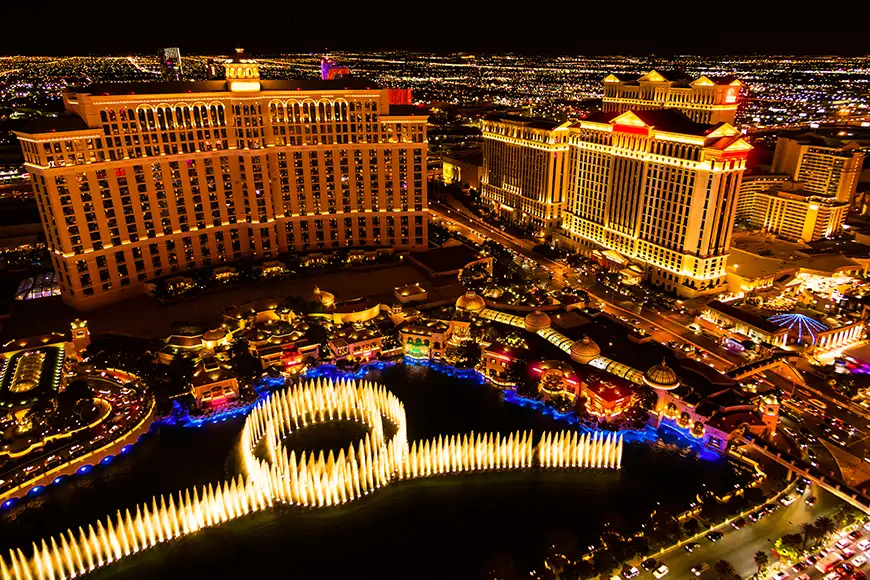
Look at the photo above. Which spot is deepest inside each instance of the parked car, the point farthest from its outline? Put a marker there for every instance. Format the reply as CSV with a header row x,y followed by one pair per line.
x,y
649,564
690,547
629,573
661,571
700,569
738,523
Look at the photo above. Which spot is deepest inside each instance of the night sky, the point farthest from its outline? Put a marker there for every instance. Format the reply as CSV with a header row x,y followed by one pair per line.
x,y
702,27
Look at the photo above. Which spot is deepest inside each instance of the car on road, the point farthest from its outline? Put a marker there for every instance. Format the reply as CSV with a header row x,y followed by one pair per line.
x,y
692,546
803,577
858,575
629,573
801,488
848,552
661,571
781,575
859,561
714,536
800,566
855,534
771,507
756,515
649,564
811,501
738,523
867,526
700,569
864,545
788,500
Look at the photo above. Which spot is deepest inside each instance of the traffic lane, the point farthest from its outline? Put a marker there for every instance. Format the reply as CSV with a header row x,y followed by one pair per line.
x,y
562,275
739,546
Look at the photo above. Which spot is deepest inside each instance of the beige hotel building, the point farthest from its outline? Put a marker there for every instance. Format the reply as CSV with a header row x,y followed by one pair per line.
x,y
144,180
651,186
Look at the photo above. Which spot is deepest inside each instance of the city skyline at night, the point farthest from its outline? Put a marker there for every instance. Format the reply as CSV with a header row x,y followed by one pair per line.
x,y
551,292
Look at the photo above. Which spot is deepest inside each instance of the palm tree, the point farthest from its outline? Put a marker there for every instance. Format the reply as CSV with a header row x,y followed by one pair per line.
x,y
825,526
761,561
725,570
808,529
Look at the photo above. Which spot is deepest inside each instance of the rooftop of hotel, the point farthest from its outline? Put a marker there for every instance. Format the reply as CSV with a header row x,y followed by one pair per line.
x,y
530,122
61,123
220,86
678,78
669,120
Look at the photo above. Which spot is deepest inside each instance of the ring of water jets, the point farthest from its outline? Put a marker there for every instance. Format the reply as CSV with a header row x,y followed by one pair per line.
x,y
272,474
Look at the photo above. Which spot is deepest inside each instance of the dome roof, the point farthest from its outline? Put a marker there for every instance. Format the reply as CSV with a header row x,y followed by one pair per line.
x,y
661,377
584,350
537,320
471,302
325,298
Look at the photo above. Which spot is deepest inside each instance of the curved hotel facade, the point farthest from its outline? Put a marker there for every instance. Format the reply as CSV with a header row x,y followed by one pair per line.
x,y
144,180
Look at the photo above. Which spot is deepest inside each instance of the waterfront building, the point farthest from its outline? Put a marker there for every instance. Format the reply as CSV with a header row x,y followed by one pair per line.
x,y
606,396
355,343
704,99
822,167
425,339
658,189
213,384
498,362
797,214
145,180
523,173
752,185
170,64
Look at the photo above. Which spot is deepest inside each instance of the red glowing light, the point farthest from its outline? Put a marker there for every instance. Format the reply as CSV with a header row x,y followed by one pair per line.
x,y
631,129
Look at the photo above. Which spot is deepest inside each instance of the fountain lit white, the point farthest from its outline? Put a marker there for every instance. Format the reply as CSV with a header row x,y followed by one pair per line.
x,y
272,474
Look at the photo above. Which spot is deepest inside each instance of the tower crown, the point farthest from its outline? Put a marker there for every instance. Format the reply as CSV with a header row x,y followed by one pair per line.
x,y
242,72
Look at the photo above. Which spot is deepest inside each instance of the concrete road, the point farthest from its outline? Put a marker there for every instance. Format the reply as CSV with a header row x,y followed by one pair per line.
x,y
739,546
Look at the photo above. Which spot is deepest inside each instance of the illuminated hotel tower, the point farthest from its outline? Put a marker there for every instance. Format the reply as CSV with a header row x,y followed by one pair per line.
x,y
139,183
703,100
657,189
523,169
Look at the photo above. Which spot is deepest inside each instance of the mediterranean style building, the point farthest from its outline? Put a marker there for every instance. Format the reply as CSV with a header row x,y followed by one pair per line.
x,y
649,186
704,100
143,180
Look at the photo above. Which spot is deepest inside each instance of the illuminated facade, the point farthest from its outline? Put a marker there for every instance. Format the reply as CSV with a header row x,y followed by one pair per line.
x,y
147,180
798,215
820,167
704,100
523,172
751,186
659,190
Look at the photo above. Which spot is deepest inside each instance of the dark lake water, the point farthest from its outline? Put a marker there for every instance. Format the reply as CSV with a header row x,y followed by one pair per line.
x,y
442,527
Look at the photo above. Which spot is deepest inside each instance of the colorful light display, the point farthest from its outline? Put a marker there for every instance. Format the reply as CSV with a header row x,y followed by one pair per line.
x,y
800,323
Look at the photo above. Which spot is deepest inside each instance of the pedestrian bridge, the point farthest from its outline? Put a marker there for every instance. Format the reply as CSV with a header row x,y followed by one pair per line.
x,y
777,359
831,484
